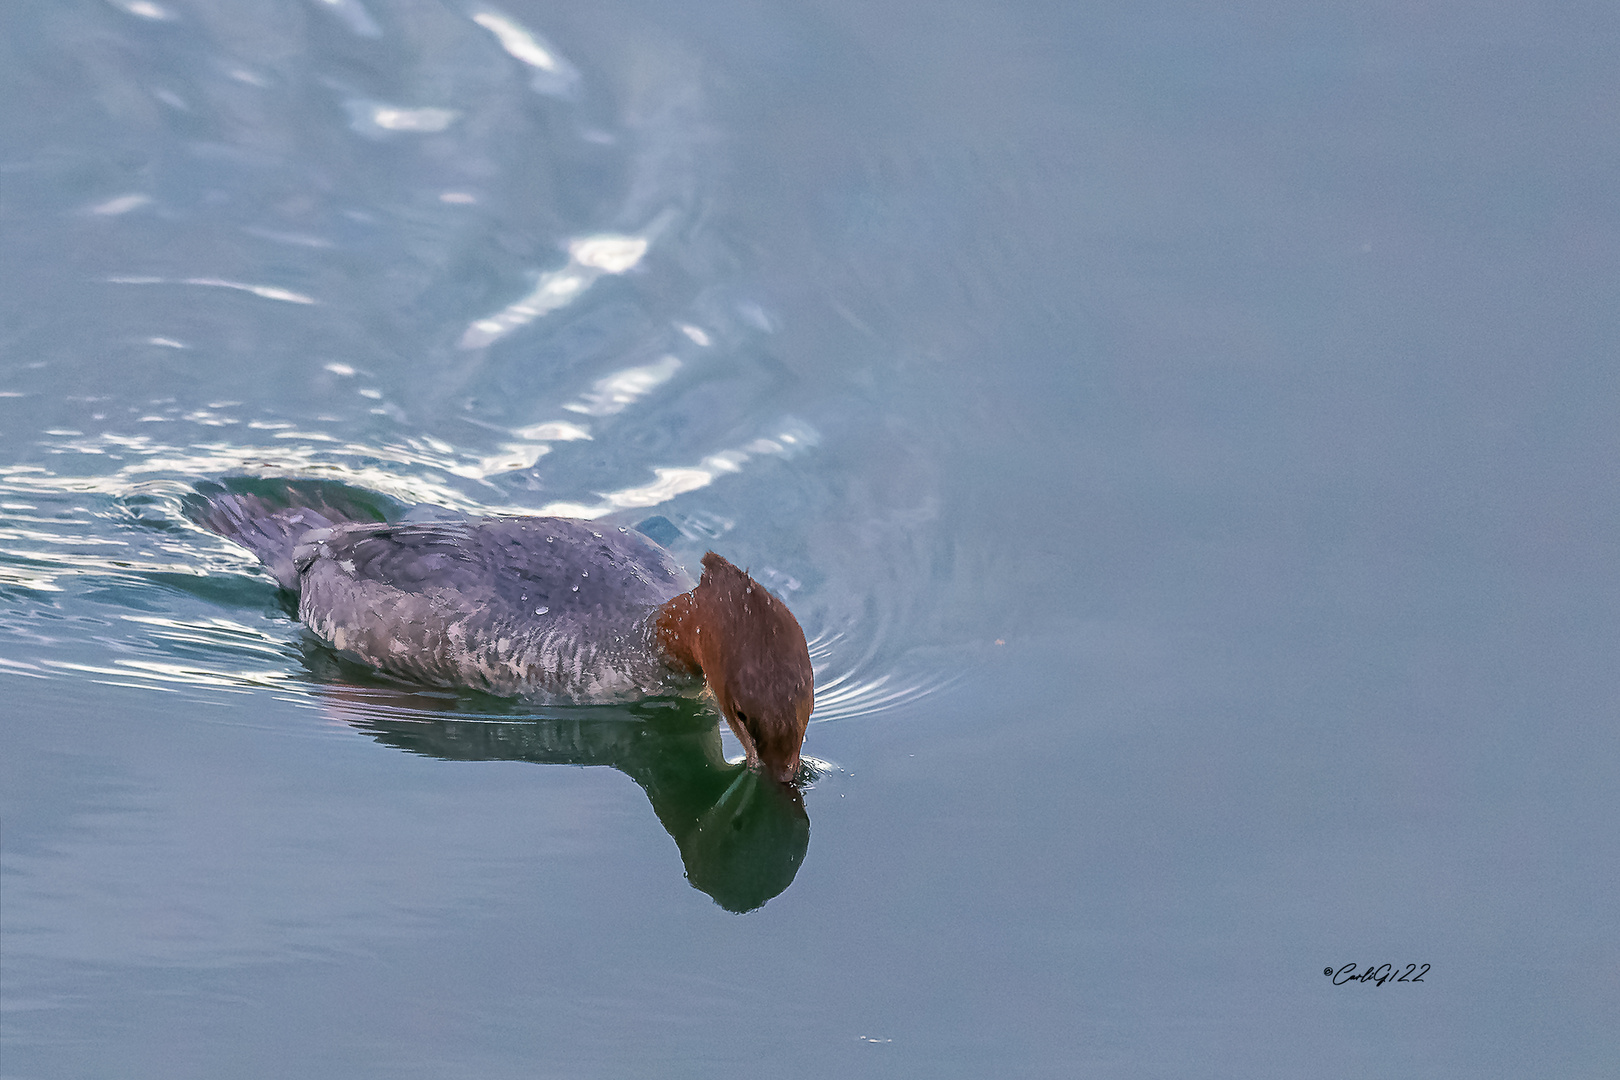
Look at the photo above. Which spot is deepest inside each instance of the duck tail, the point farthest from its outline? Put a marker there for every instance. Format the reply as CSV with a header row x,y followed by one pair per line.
x,y
270,523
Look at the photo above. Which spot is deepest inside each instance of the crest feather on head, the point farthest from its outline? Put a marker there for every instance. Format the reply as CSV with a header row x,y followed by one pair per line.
x,y
750,610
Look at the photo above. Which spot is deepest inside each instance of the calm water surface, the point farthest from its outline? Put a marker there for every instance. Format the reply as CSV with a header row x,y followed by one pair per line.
x,y
1187,434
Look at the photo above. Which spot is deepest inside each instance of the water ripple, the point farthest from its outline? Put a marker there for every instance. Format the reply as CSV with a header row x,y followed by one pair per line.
x,y
868,685
498,304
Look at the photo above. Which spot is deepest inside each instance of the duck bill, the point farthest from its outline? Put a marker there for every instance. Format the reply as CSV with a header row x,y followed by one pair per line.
x,y
785,773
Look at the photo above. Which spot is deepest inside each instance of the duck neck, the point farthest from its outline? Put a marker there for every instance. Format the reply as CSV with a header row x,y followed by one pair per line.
x,y
679,627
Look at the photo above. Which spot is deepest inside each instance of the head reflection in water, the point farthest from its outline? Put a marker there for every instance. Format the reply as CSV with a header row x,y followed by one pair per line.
x,y
741,836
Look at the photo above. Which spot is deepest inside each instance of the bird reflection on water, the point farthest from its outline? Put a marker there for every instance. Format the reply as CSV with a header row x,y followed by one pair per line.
x,y
741,836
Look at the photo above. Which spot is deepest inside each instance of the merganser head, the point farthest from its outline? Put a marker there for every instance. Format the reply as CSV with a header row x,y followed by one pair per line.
x,y
754,657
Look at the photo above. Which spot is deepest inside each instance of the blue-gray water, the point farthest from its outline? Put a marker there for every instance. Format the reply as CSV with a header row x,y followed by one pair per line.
x,y
1187,432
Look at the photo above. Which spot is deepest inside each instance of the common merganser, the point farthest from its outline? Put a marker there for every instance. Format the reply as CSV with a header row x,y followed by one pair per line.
x,y
558,608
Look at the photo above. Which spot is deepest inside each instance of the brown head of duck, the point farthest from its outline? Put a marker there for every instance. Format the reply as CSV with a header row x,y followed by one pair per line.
x,y
753,655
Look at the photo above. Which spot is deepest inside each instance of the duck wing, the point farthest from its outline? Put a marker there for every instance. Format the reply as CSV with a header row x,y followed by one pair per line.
x,y
503,604
560,563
